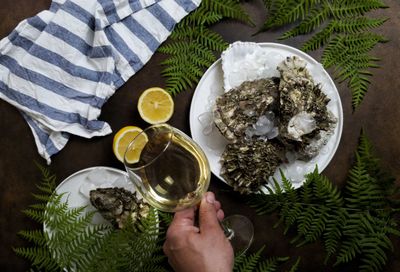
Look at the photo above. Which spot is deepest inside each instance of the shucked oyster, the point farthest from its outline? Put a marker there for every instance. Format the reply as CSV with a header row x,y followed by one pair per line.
x,y
302,110
117,205
238,109
247,165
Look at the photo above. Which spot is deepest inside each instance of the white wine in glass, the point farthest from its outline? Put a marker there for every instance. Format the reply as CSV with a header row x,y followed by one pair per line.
x,y
171,172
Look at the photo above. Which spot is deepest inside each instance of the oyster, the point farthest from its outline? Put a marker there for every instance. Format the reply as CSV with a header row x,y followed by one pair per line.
x,y
241,107
248,165
265,118
302,110
117,205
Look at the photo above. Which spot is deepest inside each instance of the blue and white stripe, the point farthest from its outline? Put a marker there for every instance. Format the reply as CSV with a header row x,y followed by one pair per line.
x,y
60,66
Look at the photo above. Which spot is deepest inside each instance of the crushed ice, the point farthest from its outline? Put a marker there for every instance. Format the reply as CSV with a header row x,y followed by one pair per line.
x,y
264,128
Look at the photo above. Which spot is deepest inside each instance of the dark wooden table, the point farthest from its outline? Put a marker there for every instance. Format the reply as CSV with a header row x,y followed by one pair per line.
x,y
379,115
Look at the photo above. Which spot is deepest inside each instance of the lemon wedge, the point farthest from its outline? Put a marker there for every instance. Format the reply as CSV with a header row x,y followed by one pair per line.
x,y
155,105
123,138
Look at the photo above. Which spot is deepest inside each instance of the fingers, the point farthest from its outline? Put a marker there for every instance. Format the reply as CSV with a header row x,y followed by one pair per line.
x,y
208,215
217,205
220,215
184,218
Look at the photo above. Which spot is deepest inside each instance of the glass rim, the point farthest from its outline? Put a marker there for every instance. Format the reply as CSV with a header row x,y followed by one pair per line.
x,y
172,132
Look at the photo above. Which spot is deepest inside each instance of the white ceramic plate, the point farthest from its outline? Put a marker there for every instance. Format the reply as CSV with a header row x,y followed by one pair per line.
x,y
213,144
77,186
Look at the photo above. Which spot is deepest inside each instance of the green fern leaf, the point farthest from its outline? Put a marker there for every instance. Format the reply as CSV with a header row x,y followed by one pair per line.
x,y
40,258
228,9
34,236
355,8
313,20
333,234
349,249
247,263
285,12
192,45
356,25
320,38
271,264
295,266
341,25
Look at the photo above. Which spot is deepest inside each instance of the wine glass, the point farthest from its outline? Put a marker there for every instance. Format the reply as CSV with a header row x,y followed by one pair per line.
x,y
171,172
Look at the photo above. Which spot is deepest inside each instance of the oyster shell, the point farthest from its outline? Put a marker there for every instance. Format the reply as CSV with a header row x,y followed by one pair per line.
x,y
263,119
117,205
248,165
302,110
241,107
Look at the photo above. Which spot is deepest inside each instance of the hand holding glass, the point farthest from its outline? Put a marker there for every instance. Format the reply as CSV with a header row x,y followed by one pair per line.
x,y
172,173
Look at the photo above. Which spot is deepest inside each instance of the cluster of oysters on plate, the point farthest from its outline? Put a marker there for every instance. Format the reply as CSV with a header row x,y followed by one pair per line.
x,y
267,118
113,197
118,205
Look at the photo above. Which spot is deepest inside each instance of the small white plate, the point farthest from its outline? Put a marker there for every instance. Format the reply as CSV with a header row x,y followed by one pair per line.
x,y
77,186
213,144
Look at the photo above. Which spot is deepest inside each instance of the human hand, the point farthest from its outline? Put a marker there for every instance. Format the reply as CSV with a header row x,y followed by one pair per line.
x,y
204,248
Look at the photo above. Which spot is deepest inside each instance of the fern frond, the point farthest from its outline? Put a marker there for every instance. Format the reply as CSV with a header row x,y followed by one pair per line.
x,y
356,25
212,40
34,214
228,9
355,8
333,232
39,257
271,264
348,250
363,190
192,43
349,54
341,25
285,12
320,38
34,236
247,263
372,164
313,20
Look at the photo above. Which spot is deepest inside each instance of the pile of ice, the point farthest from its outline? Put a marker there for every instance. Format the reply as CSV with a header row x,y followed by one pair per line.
x,y
102,178
247,61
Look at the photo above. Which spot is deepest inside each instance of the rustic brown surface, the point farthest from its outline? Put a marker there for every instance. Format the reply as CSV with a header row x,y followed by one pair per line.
x,y
379,114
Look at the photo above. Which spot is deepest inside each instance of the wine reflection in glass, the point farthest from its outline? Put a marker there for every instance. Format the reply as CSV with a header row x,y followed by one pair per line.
x,y
172,173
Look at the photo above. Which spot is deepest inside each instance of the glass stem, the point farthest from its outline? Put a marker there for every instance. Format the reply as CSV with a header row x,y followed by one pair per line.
x,y
229,233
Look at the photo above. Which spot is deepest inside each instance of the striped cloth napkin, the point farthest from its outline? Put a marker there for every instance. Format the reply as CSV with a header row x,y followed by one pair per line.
x,y
60,66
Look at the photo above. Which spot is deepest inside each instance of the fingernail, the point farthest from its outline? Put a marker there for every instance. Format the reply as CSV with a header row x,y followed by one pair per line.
x,y
210,198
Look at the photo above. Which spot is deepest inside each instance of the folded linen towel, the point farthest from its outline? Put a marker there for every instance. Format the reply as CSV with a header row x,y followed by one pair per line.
x,y
60,66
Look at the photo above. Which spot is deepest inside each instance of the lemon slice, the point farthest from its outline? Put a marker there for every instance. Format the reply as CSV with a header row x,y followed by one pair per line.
x,y
155,105
123,138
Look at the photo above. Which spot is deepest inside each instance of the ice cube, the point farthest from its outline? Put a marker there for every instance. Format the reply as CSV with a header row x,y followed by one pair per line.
x,y
99,176
274,132
206,121
123,182
85,189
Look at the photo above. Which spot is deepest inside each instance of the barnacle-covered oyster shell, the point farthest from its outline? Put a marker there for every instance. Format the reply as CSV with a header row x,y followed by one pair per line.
x,y
248,165
117,205
269,108
241,107
302,109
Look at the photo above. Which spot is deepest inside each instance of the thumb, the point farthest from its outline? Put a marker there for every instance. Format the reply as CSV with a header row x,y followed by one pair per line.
x,y
208,219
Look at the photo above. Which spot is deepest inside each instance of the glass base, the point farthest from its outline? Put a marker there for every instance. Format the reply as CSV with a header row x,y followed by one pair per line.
x,y
240,232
